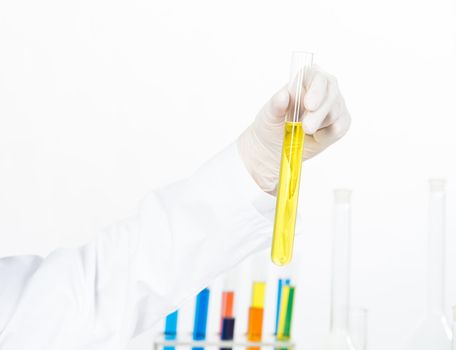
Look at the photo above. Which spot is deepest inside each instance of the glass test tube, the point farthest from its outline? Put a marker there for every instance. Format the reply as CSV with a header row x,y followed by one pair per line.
x,y
436,247
454,328
227,317
227,306
357,321
436,256
348,325
171,328
291,161
256,310
201,312
435,329
286,313
281,282
340,282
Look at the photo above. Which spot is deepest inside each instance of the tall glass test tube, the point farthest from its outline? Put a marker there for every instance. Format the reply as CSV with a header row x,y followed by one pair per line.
x,y
340,281
436,248
290,166
357,326
435,330
201,312
348,324
171,328
454,328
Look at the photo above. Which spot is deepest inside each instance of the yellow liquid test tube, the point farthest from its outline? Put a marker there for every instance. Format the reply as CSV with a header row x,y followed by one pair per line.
x,y
291,162
287,194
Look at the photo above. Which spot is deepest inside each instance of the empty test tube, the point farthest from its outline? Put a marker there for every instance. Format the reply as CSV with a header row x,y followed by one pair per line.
x,y
341,265
291,161
454,328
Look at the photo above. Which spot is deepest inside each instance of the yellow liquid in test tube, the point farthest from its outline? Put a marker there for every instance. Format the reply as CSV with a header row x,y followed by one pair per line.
x,y
287,193
258,292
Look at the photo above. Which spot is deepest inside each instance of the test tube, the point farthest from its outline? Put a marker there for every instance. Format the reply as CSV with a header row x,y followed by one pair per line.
x,y
281,282
171,328
357,325
227,321
341,243
290,164
348,325
436,312
256,310
201,311
454,328
436,247
227,306
286,313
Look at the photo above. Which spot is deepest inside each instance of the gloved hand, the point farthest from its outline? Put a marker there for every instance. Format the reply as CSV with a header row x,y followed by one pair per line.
x,y
326,120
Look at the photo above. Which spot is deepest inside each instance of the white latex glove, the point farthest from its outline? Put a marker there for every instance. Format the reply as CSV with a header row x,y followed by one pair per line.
x,y
325,121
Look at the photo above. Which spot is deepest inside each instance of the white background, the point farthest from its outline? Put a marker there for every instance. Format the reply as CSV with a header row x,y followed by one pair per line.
x,y
101,101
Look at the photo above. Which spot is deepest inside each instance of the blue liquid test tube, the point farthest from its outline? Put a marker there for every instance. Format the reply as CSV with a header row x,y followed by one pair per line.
x,y
201,311
171,328
281,282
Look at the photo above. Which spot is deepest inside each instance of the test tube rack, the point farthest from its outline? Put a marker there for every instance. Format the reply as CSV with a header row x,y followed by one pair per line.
x,y
187,341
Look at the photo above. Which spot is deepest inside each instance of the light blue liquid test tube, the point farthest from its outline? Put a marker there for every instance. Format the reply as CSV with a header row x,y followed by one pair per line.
x,y
280,283
201,311
171,328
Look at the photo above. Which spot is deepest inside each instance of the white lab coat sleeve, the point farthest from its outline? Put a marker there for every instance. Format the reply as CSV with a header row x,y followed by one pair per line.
x,y
138,270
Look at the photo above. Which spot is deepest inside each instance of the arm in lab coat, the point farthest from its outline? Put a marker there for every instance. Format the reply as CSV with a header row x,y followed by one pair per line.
x,y
101,295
